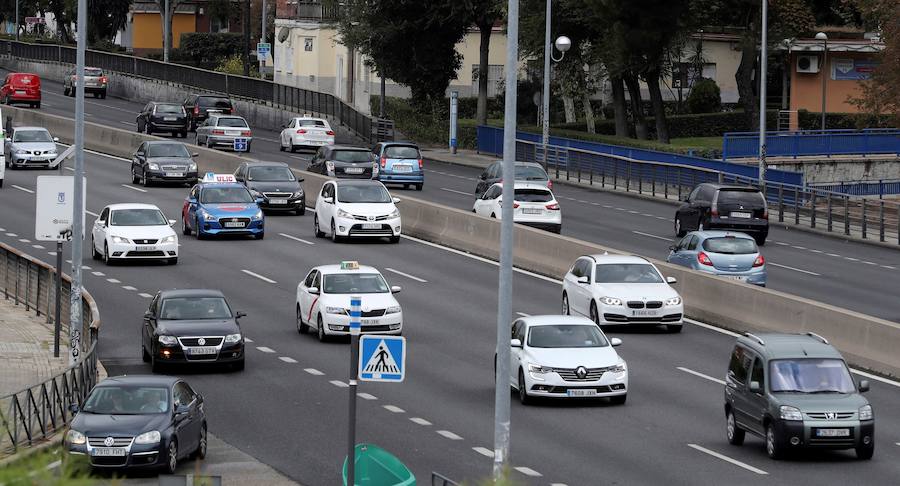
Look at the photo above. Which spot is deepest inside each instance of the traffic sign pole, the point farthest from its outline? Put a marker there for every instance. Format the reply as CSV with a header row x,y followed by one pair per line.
x,y
355,314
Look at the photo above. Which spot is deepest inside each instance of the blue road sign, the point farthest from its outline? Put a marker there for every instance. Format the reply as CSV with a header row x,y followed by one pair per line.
x,y
240,145
382,358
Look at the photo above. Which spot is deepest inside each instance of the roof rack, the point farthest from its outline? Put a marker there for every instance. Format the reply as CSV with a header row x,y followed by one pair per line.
x,y
820,338
755,338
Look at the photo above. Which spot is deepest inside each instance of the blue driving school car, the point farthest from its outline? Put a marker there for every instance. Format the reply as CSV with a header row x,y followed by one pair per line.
x,y
219,205
400,163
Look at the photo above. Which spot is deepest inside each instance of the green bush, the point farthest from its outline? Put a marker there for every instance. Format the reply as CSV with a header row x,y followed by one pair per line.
x,y
235,65
684,126
705,97
207,50
810,120
426,128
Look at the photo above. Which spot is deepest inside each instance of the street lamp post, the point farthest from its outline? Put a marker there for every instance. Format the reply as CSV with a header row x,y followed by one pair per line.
x,y
763,64
563,44
824,70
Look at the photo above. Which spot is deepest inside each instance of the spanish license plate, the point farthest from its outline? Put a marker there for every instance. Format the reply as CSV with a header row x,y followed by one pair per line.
x,y
738,214
354,170
234,224
20,91
145,248
582,393
232,132
174,174
833,433
278,201
402,168
108,451
201,350
367,322
169,118
371,225
532,211
644,313
740,278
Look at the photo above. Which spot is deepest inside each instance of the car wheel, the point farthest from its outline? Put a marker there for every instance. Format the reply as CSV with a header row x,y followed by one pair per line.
x,y
184,227
239,365
145,356
679,231
155,365
565,305
281,147
37,105
103,95
293,147
200,453
761,239
208,143
259,236
334,236
183,133
419,187
773,447
301,327
595,316
197,139
65,91
320,329
171,457
865,452
395,239
200,235
734,433
673,328
319,232
523,390
301,210
145,181
134,177
618,399
172,261
106,259
147,129
94,253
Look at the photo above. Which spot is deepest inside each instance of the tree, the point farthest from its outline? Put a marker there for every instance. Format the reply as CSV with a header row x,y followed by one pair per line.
x,y
881,94
166,19
106,19
486,14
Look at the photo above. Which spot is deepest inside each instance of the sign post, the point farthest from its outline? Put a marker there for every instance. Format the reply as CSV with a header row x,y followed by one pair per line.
x,y
355,314
262,50
454,112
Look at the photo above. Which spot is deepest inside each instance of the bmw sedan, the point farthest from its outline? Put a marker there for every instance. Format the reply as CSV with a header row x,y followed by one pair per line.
x,y
729,255
139,422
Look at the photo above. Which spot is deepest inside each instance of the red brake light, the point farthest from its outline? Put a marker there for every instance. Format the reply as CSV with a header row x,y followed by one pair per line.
x,y
703,258
104,79
714,212
301,131
246,133
196,110
218,132
553,207
421,164
515,205
549,184
765,214
383,161
330,132
760,261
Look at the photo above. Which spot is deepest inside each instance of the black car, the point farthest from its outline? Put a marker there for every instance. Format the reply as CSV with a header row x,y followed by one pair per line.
x,y
344,162
525,172
191,326
198,108
724,207
163,117
139,421
163,161
274,184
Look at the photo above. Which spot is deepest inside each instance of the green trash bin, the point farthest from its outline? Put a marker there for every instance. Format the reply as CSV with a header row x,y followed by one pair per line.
x,y
378,467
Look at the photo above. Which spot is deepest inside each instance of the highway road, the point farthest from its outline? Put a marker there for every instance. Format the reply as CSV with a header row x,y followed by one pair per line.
x,y
288,408
839,272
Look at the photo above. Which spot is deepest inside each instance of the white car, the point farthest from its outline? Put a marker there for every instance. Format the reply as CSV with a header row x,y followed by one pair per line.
x,y
621,289
133,232
533,205
306,131
356,208
565,356
323,301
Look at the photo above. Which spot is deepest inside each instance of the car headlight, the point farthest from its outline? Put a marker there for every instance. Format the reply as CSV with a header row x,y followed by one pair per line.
x,y
151,437
168,340
51,152
344,214
233,338
120,240
394,214
610,301
153,166
22,152
298,193
207,216
790,413
674,301
192,167
335,310
619,368
75,437
168,239
865,412
392,310
258,215
536,371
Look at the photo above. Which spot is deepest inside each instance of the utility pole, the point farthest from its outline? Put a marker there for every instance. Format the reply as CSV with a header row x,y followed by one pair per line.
x,y
78,216
763,62
246,21
545,106
167,25
355,314
17,20
262,38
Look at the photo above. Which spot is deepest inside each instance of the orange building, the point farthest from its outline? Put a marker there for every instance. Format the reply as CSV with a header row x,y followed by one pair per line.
x,y
143,33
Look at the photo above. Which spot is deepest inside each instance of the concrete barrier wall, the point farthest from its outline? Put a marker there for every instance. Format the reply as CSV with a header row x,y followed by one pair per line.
x,y
866,341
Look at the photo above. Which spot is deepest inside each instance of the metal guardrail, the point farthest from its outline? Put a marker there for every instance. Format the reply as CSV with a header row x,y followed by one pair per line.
x,y
861,188
810,143
38,411
440,480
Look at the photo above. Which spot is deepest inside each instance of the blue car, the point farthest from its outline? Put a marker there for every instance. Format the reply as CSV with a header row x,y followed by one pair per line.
x,y
724,253
400,163
221,207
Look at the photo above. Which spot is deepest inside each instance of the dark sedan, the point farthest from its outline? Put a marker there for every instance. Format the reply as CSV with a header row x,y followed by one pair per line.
x,y
163,117
139,421
524,172
191,327
344,162
162,161
274,185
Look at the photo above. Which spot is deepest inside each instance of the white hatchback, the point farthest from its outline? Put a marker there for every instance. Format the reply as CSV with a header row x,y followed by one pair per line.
x,y
133,232
305,131
354,208
533,205
621,289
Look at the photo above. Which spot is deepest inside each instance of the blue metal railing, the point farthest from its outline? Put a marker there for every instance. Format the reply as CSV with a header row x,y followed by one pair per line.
x,y
815,142
861,188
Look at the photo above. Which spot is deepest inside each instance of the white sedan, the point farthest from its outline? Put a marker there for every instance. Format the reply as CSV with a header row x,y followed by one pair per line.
x,y
565,356
533,205
133,232
323,301
352,208
621,289
305,131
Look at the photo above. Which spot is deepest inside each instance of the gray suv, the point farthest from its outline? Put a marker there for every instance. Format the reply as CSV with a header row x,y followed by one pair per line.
x,y
795,391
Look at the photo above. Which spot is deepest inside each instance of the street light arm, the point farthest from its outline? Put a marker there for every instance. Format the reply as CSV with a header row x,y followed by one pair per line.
x,y
561,56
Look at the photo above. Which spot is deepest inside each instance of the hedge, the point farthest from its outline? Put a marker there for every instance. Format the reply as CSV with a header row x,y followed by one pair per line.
x,y
810,120
426,128
684,126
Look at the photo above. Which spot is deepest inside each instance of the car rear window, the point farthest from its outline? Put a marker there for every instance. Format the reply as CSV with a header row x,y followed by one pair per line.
x,y
730,245
401,152
232,122
93,72
311,123
530,173
533,195
350,156
176,109
26,79
214,102
748,199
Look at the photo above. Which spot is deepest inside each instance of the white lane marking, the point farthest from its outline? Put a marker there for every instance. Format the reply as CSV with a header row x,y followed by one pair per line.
x,y
85,267
301,240
528,471
794,269
449,435
145,295
484,451
413,277
339,383
833,255
287,359
727,459
2,229
92,213
265,349
851,259
264,279
558,484
51,253
647,215
39,247
29,191
701,375
798,247
13,235
523,314
662,218
420,421
113,280
870,263
621,209
595,204
248,340
457,192
98,274
607,206
782,243
24,240
394,409
138,189
582,201
129,288
633,211
889,267
313,371
897,443
69,168
815,251
366,396
648,235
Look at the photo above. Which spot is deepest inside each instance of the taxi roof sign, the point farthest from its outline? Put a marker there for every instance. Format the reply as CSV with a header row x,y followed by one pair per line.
x,y
213,177
350,265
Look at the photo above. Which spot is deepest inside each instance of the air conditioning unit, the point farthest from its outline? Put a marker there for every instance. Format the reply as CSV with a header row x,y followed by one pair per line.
x,y
808,64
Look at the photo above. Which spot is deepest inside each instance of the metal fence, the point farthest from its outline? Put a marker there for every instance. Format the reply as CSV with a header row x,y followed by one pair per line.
x,y
441,480
816,142
35,413
260,90
861,188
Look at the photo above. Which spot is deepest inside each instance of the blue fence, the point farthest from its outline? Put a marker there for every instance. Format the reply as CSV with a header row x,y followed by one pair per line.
x,y
826,143
861,188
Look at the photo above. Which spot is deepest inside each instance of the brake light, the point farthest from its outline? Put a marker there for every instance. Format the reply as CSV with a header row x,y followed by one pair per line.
x,y
703,258
714,212
760,261
553,207
246,133
301,131
421,164
549,184
383,161
218,132
196,110
103,79
515,205
765,214
330,132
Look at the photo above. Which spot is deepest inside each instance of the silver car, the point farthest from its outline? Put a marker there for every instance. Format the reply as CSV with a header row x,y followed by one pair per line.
x,y
227,130
30,147
95,82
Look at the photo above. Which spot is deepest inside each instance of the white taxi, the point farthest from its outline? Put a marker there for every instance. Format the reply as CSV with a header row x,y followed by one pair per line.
x,y
323,301
305,131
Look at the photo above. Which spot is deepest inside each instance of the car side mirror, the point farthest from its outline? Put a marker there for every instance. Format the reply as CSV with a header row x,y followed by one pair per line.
x,y
101,222
181,410
300,179
515,343
584,280
755,387
396,200
863,386
148,314
56,139
396,289
615,342
313,290
283,125
195,154
192,200
328,200
671,280
172,222
673,248
483,176
73,407
259,200
240,314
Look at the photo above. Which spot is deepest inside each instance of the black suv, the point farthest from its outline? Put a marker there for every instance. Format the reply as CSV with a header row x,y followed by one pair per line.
x,y
274,183
163,117
198,108
724,207
344,162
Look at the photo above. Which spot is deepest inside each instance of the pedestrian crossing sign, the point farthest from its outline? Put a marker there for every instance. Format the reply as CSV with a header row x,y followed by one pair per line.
x,y
382,358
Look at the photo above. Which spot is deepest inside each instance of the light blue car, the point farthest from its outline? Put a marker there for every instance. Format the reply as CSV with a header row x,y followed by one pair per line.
x,y
401,163
724,253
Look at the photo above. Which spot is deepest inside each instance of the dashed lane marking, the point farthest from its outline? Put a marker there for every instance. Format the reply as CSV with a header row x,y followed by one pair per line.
x,y
889,267
648,235
781,243
833,255
420,421
523,314
138,189
528,471
366,396
39,247
287,359
25,189
113,280
248,340
129,287
265,349
727,459
449,435
339,383
851,259
264,279
798,247
313,371
394,409
145,295
92,213
412,277
454,191
24,240
794,269
13,235
301,240
484,451
98,274
870,263
701,375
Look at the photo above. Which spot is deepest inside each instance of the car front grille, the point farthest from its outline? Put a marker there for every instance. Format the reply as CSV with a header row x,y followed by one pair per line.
x,y
358,230
153,253
634,304
825,415
117,441
376,328
569,374
194,341
564,389
175,168
372,313
284,195
654,304
145,242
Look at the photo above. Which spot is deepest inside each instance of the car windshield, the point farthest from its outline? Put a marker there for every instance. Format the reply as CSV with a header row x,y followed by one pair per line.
x,y
93,72
176,109
351,156
730,245
167,150
533,195
32,136
360,283
273,173
219,195
748,199
627,273
210,102
311,123
566,336
127,400
809,375
232,122
137,217
184,308
401,152
530,173
358,193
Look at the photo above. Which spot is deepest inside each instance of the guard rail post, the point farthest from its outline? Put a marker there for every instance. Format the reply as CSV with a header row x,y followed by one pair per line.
x,y
17,282
615,184
829,213
27,284
796,205
627,176
812,207
653,181
881,220
578,162
863,209
591,169
847,215
780,203
665,182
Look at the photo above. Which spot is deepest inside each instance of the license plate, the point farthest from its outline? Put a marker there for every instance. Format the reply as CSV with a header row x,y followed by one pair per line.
x,y
20,91
371,225
582,393
107,451
232,132
532,211
145,248
402,168
833,433
737,214
644,313
741,278
366,322
169,118
202,350
278,201
174,174
354,170
234,224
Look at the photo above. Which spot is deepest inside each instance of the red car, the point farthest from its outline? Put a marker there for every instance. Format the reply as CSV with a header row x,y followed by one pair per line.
x,y
21,88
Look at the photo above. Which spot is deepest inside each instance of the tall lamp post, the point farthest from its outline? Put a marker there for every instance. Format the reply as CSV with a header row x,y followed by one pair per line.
x,y
563,44
824,69
763,64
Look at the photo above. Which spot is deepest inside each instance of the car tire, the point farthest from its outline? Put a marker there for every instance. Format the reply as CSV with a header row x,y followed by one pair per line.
x,y
733,432
334,236
293,147
106,259
395,239
184,228
103,95
155,365
419,187
761,239
301,327
679,231
183,133
145,181
171,457
673,328
208,144
193,126
95,255
260,235
200,235
595,314
134,177
618,399
147,129
202,444
773,446
65,91
281,147
197,140
301,210
320,329
145,356
172,261
319,232
239,365
565,305
865,452
522,389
